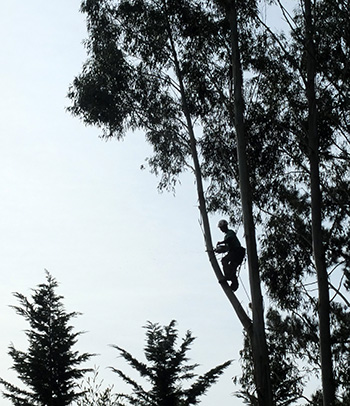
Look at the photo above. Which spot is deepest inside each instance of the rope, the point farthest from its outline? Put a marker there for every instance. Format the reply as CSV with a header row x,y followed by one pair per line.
x,y
241,282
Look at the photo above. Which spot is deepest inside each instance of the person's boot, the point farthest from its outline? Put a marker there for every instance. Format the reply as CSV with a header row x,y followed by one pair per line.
x,y
234,284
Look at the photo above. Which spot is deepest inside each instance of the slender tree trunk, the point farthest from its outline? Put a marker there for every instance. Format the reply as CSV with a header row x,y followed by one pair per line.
x,y
255,330
316,218
258,339
242,315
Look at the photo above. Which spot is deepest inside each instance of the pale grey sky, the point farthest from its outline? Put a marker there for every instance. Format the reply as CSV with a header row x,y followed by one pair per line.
x,y
81,208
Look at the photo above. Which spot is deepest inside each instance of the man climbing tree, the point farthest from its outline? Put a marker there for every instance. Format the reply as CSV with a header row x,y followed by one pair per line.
x,y
235,254
147,69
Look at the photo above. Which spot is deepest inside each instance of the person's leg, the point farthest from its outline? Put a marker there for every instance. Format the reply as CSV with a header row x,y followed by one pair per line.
x,y
234,284
227,268
233,265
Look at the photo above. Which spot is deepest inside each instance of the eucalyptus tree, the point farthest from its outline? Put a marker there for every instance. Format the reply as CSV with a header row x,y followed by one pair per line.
x,y
297,129
237,116
303,97
163,66
166,370
50,367
166,66
318,250
282,100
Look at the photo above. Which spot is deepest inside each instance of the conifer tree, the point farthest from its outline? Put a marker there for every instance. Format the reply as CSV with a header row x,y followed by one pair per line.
x,y
49,367
166,370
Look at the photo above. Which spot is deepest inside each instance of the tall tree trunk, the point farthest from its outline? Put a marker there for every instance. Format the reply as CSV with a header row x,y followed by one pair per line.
x,y
258,339
242,315
255,329
316,217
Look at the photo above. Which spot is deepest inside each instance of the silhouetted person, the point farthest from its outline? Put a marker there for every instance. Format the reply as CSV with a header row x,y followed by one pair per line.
x,y
235,254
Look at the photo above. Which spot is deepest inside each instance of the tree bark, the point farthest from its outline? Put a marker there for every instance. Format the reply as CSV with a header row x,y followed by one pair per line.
x,y
258,338
242,315
316,217
255,329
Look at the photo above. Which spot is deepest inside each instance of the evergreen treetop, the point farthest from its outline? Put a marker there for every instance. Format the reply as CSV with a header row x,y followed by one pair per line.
x,y
166,370
49,367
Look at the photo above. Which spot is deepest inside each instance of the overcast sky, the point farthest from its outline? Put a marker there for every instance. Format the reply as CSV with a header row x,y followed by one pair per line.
x,y
82,209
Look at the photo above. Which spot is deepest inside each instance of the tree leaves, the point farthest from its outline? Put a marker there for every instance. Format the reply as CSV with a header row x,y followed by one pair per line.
x,y
142,52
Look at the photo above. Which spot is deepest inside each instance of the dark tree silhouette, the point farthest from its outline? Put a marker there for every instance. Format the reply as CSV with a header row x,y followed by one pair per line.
x,y
169,68
166,370
49,367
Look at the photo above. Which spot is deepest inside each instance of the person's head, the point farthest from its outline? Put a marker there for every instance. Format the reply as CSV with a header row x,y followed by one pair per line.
x,y
223,225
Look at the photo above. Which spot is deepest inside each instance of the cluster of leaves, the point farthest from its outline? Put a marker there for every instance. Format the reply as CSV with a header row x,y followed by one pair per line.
x,y
93,393
149,45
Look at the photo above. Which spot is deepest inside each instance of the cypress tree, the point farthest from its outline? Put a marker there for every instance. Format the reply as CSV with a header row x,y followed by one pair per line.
x,y
166,369
49,367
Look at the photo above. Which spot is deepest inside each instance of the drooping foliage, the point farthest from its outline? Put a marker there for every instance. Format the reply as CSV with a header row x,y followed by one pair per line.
x,y
282,97
49,369
166,370
130,81
284,197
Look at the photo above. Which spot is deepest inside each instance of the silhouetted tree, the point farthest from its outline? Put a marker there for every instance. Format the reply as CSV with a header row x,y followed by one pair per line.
x,y
166,370
163,66
148,69
49,368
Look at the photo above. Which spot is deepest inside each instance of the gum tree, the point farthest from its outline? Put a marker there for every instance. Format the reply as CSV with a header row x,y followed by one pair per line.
x,y
162,67
303,100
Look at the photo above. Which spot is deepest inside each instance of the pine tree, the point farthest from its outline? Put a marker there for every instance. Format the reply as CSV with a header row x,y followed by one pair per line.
x,y
166,370
49,366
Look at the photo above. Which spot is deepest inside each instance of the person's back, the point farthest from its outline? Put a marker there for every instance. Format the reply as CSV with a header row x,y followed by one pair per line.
x,y
231,240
